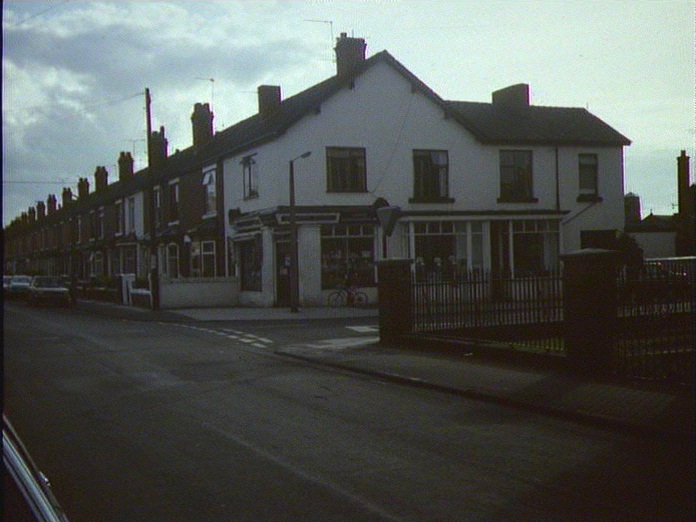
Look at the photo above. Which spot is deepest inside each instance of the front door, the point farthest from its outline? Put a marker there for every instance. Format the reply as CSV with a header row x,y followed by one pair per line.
x,y
282,273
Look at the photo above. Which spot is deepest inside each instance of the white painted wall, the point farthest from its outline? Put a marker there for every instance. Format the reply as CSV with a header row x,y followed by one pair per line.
x,y
382,114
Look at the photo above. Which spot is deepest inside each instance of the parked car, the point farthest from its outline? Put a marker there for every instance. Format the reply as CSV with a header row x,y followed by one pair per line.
x,y
19,287
48,290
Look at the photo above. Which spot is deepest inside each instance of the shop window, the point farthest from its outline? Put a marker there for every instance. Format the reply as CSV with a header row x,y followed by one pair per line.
x,y
535,245
446,250
347,256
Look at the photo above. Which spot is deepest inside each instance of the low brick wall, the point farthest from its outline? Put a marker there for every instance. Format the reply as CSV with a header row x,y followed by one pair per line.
x,y
199,292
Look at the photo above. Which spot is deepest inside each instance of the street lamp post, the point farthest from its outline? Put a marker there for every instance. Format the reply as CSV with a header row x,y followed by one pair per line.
x,y
294,268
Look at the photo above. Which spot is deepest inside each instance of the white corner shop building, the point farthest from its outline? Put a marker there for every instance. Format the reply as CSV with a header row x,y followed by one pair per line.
x,y
500,186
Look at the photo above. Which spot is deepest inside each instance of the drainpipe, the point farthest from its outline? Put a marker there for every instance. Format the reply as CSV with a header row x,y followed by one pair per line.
x,y
558,190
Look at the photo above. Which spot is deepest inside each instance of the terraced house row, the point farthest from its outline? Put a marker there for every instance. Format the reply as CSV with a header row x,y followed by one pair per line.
x,y
499,186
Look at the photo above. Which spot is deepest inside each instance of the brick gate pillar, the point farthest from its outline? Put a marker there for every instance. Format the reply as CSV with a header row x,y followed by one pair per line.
x,y
394,289
590,309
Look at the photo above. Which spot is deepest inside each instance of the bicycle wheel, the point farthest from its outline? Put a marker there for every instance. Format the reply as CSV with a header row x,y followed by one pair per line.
x,y
335,298
359,299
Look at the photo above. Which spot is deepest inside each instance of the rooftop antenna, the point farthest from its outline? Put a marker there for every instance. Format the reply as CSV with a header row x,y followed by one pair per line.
x,y
212,89
330,22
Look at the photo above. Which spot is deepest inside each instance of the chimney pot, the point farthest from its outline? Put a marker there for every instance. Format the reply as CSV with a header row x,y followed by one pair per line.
x,y
269,98
350,53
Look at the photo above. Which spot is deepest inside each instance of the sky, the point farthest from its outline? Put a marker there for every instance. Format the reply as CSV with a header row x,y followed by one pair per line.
x,y
74,73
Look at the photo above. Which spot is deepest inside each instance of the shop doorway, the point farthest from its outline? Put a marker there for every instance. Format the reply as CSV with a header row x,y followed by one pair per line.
x,y
283,273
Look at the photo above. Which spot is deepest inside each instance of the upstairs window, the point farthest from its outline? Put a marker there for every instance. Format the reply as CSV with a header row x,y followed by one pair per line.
x,y
131,215
173,202
250,173
100,223
120,218
516,177
430,176
345,169
210,192
588,177
157,195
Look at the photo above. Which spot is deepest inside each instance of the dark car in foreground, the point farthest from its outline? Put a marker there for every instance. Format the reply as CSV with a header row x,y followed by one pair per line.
x,y
27,493
48,290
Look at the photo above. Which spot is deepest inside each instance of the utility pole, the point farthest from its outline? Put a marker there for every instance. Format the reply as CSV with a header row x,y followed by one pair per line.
x,y
154,272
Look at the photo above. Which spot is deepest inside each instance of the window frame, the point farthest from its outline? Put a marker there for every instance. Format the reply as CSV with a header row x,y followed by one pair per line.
x,y
588,177
168,249
120,218
250,176
131,215
353,169
516,176
157,205
173,198
428,174
210,192
342,246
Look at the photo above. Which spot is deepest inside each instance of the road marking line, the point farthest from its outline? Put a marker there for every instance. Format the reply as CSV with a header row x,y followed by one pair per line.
x,y
363,329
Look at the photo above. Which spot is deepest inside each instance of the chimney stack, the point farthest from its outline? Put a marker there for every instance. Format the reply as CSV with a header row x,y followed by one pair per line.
x,y
158,144
202,123
631,209
67,197
51,204
269,99
82,188
101,177
125,166
40,209
513,96
32,214
350,53
683,184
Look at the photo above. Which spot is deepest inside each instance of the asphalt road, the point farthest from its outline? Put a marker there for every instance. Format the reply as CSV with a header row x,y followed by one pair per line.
x,y
137,421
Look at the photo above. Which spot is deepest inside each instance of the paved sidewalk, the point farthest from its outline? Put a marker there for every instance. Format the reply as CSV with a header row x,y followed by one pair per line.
x,y
636,409
617,405
224,314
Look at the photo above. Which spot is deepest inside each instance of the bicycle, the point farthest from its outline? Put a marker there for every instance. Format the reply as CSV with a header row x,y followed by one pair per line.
x,y
347,297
